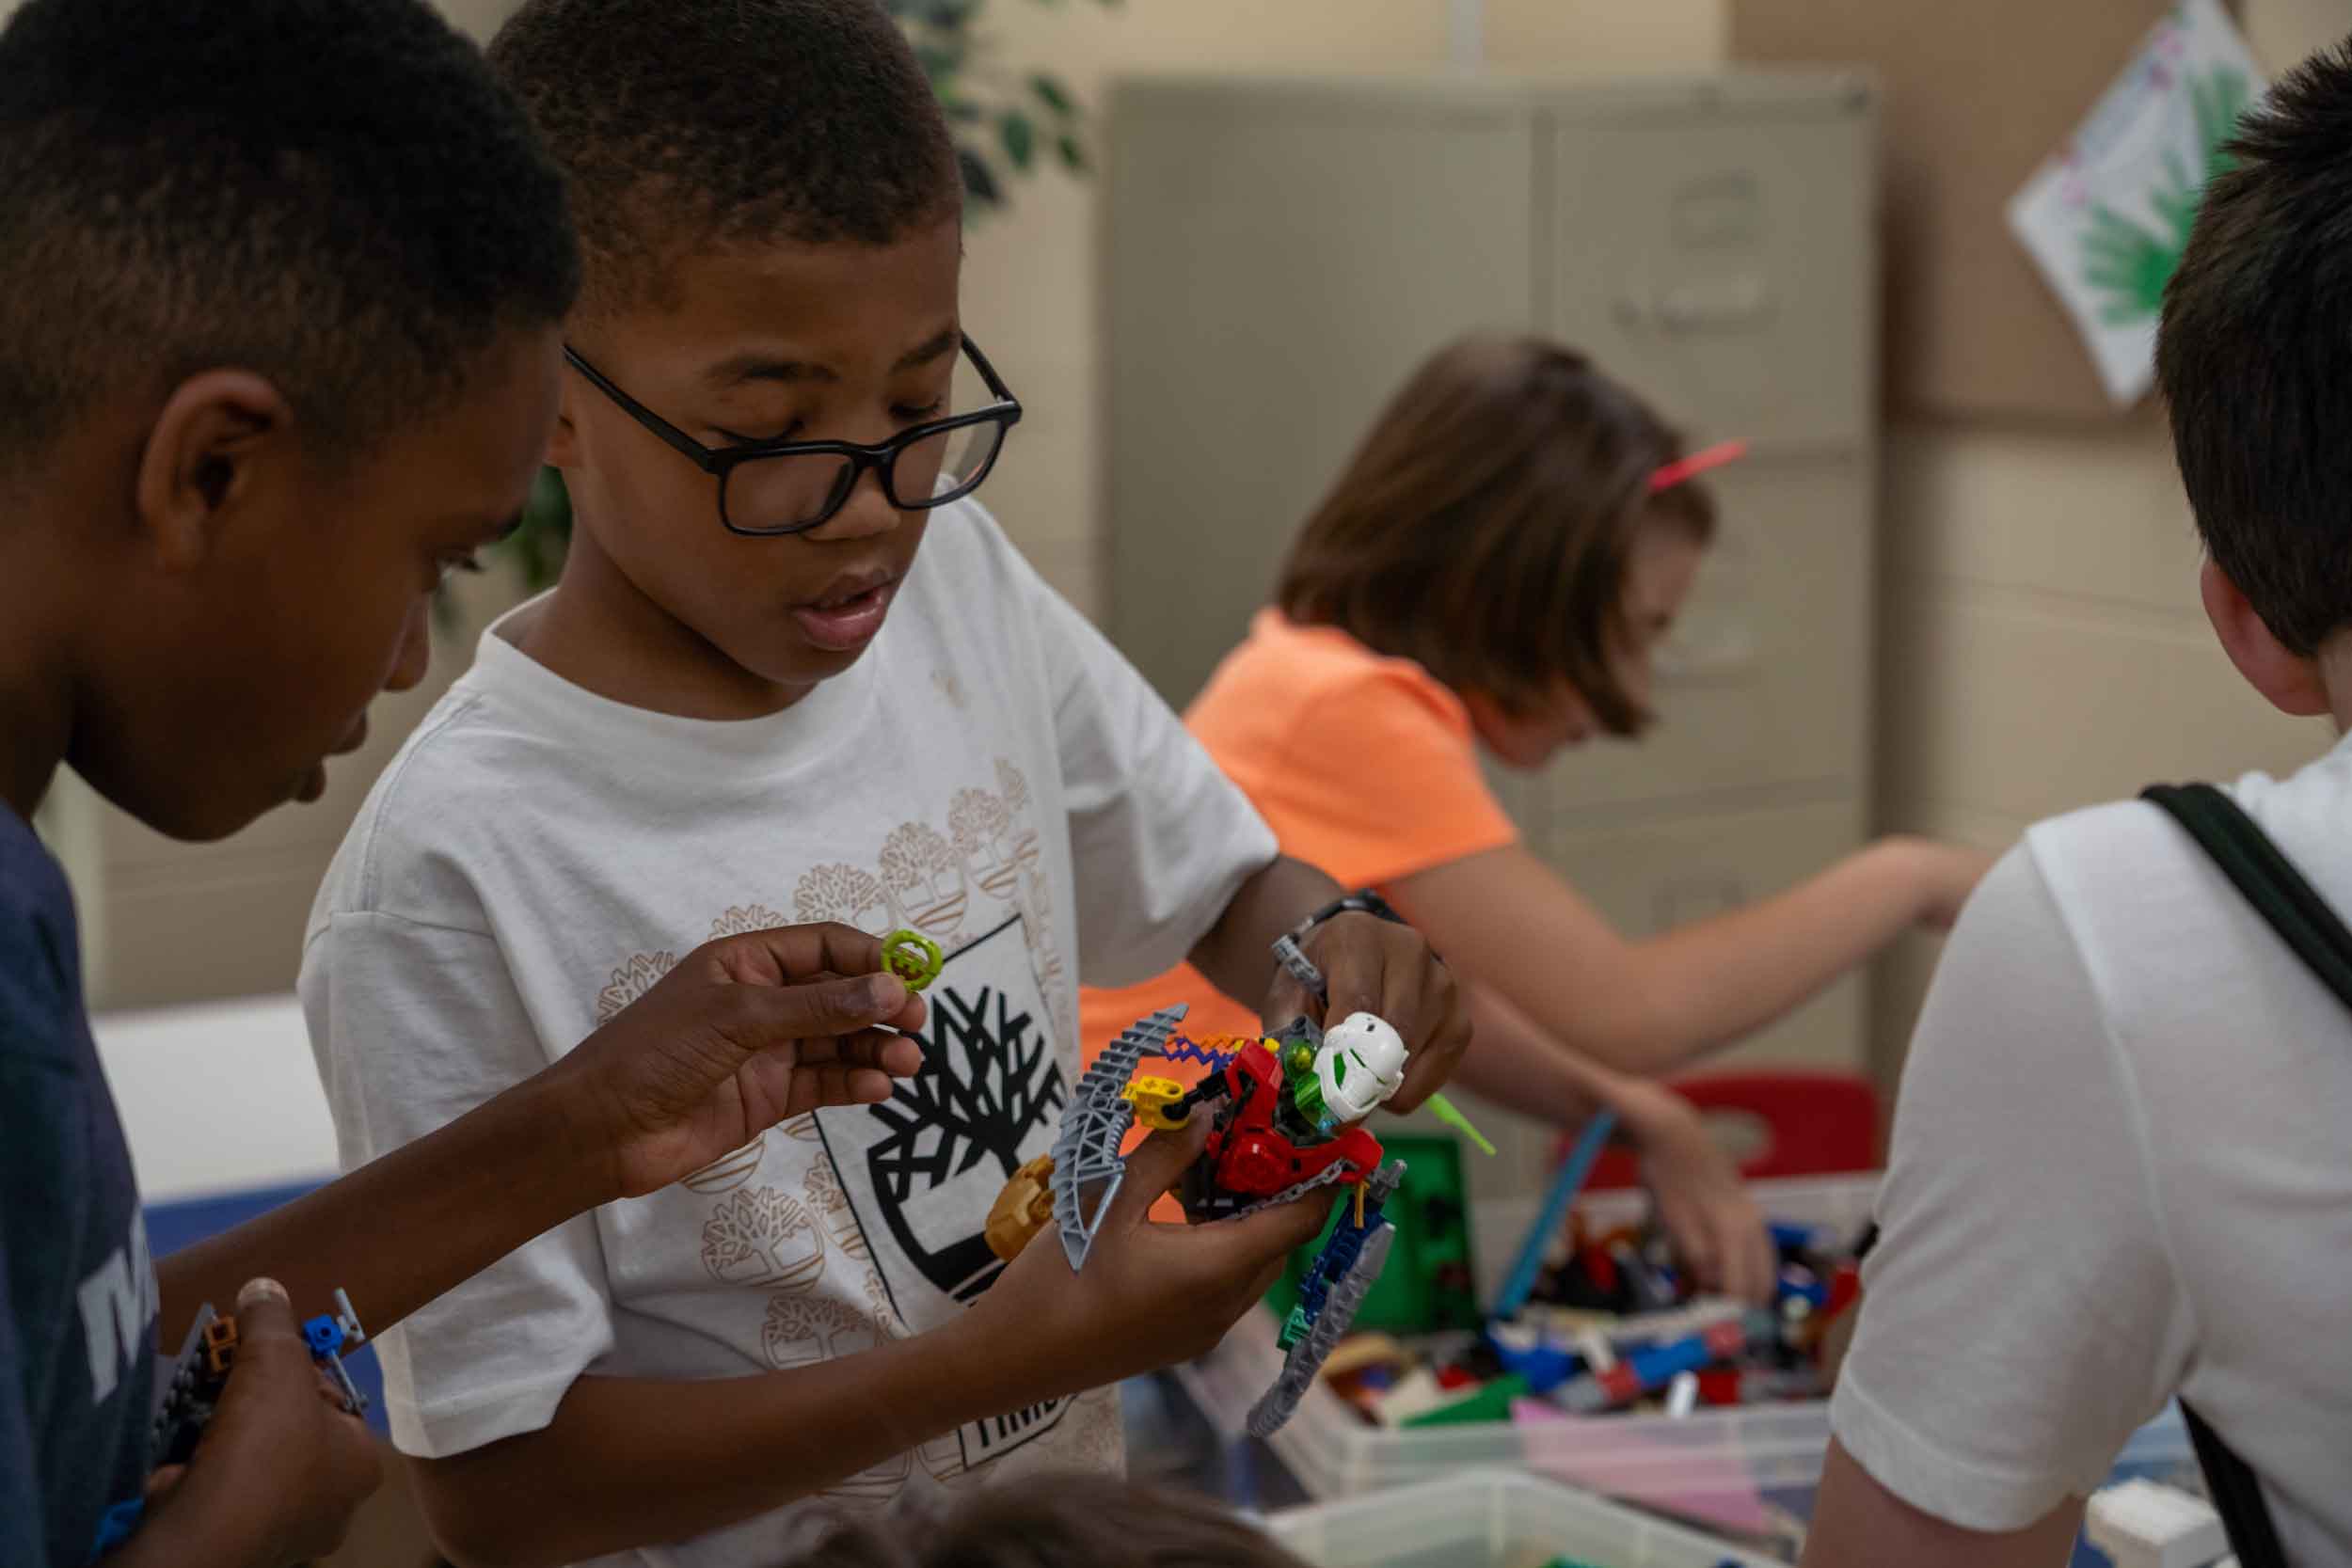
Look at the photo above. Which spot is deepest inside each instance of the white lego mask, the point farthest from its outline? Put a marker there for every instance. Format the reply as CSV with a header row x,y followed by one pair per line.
x,y
1360,1065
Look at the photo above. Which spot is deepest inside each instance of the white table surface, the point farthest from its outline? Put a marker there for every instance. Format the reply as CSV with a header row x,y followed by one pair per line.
x,y
217,1097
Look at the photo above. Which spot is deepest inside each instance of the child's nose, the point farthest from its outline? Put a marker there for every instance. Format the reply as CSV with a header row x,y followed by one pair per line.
x,y
868,511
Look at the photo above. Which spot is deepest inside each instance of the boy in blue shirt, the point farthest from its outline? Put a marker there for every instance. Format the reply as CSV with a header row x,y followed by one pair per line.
x,y
279,346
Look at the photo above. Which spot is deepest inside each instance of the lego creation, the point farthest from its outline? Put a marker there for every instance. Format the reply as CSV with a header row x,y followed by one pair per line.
x,y
185,1400
1284,1111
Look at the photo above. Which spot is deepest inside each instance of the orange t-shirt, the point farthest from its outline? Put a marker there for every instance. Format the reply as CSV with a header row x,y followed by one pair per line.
x,y
1362,764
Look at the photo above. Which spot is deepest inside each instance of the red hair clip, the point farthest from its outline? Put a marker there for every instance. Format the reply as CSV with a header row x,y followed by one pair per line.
x,y
1685,468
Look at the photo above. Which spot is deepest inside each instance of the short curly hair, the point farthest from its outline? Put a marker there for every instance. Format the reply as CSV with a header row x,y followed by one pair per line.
x,y
334,194
2251,357
688,124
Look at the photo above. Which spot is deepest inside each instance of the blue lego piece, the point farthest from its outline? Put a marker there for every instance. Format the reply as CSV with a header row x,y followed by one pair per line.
x,y
1186,1050
325,1336
1545,1367
118,1524
1800,1284
1565,1185
1338,1255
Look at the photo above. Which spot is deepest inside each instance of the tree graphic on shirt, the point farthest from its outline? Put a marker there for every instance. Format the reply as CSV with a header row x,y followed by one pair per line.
x,y
988,1078
631,981
761,1237
844,893
925,877
982,827
745,918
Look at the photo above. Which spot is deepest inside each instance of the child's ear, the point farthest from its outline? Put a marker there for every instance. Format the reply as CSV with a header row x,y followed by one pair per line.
x,y
2290,681
564,440
199,460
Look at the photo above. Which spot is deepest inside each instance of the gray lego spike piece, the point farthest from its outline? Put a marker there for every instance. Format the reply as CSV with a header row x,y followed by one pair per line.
x,y
1302,969
1086,1148
1277,1403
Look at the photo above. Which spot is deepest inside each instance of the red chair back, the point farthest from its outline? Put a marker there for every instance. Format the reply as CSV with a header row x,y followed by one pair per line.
x,y
1811,1123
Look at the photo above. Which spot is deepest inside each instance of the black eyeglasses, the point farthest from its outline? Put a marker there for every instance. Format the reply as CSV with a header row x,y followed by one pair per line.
x,y
768,488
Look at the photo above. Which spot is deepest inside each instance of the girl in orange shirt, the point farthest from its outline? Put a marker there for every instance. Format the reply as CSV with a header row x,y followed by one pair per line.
x,y
1495,568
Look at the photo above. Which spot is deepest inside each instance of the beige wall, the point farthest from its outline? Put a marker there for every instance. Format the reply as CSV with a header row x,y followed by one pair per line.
x,y
1031,283
2042,642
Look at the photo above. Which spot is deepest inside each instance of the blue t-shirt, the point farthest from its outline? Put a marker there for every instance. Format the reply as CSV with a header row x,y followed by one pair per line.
x,y
77,1293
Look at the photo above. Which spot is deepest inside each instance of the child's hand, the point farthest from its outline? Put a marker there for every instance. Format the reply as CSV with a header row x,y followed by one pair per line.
x,y
743,1033
1150,1295
1716,1227
1379,967
1946,875
281,1468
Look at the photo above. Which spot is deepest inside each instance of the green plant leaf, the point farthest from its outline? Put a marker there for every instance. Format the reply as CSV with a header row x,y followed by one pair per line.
x,y
1051,93
1020,138
941,64
1073,153
980,180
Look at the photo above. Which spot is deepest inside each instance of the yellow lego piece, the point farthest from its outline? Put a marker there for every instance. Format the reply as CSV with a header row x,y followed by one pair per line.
x,y
1151,1097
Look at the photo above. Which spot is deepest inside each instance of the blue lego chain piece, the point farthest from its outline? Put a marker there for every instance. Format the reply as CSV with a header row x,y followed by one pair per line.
x,y
329,1336
1186,1050
1338,1255
1564,1186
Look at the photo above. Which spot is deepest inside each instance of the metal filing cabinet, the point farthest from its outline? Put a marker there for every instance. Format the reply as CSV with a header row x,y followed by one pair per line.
x,y
1283,253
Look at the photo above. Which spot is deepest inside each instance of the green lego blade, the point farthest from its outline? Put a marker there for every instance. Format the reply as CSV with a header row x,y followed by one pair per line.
x,y
1442,1108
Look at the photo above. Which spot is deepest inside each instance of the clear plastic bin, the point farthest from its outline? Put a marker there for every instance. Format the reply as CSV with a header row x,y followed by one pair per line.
x,y
1493,1519
1746,1471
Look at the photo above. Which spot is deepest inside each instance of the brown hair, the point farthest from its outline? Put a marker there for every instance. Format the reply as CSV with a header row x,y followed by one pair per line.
x,y
1058,1521
1483,528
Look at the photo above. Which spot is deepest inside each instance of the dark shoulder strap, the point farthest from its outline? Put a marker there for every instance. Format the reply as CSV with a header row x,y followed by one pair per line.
x,y
2296,911
2267,879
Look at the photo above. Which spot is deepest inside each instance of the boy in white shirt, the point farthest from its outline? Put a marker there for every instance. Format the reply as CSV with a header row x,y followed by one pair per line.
x,y
750,701
2120,1168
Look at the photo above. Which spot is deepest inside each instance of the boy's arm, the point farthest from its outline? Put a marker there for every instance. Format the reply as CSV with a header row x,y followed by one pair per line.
x,y
1717,1228
1859,1524
1371,965
1650,1005
741,1035
631,1462
2019,1316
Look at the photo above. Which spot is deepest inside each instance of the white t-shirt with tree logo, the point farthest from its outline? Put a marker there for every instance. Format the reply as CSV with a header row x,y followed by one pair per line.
x,y
990,773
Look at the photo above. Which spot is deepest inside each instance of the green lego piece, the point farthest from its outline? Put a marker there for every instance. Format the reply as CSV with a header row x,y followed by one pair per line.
x,y
1442,1108
1491,1404
1429,1283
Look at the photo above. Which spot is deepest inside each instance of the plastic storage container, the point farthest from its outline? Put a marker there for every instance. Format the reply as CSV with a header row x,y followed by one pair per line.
x,y
1493,1519
1746,1470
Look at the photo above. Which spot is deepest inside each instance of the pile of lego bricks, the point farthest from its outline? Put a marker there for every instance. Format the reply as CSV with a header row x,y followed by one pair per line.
x,y
1610,1328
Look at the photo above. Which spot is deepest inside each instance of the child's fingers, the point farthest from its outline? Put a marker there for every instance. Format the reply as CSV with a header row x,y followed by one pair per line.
x,y
787,955
892,1052
1155,1166
265,1323
1756,1269
767,1015
1268,1236
837,1084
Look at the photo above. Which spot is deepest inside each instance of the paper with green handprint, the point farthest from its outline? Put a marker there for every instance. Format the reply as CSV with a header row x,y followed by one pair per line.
x,y
2107,217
